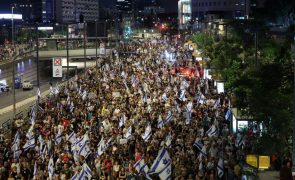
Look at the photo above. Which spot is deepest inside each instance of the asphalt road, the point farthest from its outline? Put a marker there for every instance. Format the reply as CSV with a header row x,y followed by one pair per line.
x,y
28,68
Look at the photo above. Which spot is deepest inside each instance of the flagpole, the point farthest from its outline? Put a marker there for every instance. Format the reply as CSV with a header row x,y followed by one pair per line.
x,y
293,150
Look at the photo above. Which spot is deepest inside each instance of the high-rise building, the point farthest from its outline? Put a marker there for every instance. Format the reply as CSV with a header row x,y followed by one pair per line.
x,y
125,6
220,9
76,10
36,11
184,13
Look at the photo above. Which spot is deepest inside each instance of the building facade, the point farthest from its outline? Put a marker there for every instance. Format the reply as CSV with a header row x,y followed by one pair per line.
x,y
71,11
207,10
184,13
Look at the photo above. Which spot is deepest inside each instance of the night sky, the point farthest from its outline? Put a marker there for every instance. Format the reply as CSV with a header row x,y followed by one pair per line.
x,y
169,5
5,6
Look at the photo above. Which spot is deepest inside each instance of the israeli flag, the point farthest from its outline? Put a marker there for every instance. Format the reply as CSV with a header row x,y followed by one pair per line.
x,y
68,100
122,121
35,171
144,98
240,141
198,143
51,90
161,162
203,152
29,144
164,98
216,104
72,107
56,89
75,177
201,99
228,114
165,174
160,122
189,107
58,137
128,133
142,167
220,168
29,134
17,153
72,137
147,134
212,131
87,170
101,147
38,93
168,117
16,141
168,141
51,168
182,95
84,150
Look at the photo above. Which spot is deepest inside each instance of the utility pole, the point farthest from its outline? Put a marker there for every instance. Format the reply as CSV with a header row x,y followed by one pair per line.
x,y
293,138
84,42
67,44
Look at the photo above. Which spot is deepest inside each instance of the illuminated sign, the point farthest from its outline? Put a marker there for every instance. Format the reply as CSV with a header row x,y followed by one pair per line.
x,y
264,162
252,160
11,16
45,28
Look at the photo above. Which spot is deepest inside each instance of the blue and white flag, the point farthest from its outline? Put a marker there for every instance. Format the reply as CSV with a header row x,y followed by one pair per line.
x,y
160,122
212,131
147,133
142,167
72,137
17,153
203,152
75,177
56,89
84,150
161,162
16,141
220,168
38,93
168,140
101,147
216,104
68,100
201,99
87,171
122,121
182,95
128,133
144,98
188,113
29,144
51,90
51,168
198,143
168,117
164,98
165,174
228,114
35,171
72,107
240,141
58,137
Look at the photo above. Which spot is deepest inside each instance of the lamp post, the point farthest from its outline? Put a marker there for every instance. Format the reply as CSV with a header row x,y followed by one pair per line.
x,y
293,138
84,44
12,26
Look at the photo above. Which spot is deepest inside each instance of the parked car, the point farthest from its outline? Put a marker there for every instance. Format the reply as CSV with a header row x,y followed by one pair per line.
x,y
27,85
4,87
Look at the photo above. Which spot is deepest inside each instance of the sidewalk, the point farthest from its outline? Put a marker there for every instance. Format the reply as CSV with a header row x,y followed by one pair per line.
x,y
269,175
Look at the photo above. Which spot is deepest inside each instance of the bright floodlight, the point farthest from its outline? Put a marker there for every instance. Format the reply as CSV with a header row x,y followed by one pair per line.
x,y
11,16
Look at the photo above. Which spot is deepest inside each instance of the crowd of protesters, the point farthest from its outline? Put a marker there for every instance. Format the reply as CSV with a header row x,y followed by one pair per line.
x,y
8,50
111,109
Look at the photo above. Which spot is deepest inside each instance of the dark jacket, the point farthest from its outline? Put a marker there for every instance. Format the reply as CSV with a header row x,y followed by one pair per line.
x,y
285,173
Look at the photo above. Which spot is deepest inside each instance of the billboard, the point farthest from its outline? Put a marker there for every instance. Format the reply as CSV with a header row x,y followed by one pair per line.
x,y
56,67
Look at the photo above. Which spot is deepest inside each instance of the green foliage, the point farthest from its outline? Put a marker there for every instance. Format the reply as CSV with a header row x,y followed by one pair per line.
x,y
264,92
